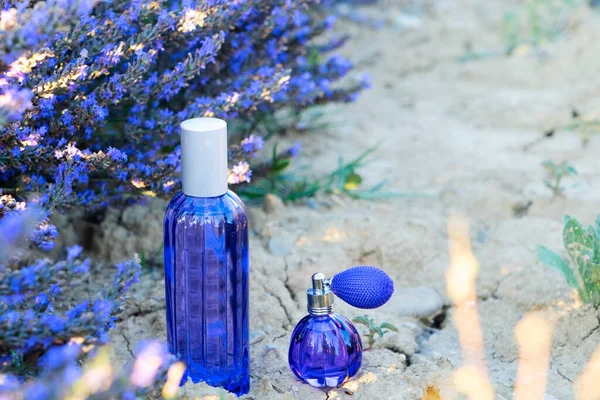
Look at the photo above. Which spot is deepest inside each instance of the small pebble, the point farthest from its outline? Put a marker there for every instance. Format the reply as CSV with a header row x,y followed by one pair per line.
x,y
312,203
273,204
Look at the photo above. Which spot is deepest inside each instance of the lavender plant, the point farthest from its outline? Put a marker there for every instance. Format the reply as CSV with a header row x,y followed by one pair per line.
x,y
91,92
41,307
583,247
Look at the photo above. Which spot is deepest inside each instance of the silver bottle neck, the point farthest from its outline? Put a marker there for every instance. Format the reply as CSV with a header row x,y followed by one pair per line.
x,y
320,298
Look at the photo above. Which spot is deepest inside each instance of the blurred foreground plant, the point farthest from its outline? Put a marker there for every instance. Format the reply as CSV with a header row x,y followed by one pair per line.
x,y
583,247
373,329
64,378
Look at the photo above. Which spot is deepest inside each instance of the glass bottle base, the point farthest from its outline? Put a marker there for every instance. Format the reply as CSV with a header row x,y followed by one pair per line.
x,y
325,351
239,387
328,381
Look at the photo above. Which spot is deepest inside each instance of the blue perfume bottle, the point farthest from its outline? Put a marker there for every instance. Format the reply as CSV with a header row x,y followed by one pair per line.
x,y
206,264
325,347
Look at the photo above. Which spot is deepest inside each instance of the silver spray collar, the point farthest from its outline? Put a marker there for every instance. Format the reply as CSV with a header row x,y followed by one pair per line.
x,y
320,298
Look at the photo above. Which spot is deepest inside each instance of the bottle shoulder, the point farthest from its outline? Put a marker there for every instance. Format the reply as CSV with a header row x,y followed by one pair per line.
x,y
228,205
323,323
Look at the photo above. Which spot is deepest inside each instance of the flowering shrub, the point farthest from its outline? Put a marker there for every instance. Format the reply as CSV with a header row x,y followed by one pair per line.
x,y
91,94
43,305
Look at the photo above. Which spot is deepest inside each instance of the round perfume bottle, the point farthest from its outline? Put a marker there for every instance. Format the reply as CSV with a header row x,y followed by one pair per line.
x,y
325,348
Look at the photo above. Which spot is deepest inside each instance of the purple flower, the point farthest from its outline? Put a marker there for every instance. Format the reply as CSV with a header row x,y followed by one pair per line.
x,y
295,149
240,173
366,81
252,144
73,252
57,357
53,322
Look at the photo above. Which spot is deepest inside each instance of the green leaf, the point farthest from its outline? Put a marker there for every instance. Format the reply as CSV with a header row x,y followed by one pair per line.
x,y
370,195
579,244
556,262
143,260
378,186
591,230
362,320
387,325
302,190
352,181
314,57
379,330
550,165
251,192
281,164
595,274
571,170
597,228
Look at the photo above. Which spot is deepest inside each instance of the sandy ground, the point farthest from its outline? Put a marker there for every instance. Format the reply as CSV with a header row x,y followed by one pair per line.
x,y
460,133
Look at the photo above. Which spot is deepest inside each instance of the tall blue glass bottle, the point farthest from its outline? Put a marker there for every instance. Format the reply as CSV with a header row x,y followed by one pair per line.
x,y
206,264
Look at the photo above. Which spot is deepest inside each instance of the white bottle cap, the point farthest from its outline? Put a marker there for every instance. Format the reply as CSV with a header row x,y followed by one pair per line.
x,y
204,157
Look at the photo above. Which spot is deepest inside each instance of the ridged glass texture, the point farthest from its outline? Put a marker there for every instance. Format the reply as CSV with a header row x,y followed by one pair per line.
x,y
206,283
325,350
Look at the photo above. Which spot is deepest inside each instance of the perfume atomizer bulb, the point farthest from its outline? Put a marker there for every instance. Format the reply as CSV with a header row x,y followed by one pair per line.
x,y
362,287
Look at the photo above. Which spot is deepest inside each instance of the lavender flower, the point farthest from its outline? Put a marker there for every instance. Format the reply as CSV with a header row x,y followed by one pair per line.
x,y
252,144
239,173
295,149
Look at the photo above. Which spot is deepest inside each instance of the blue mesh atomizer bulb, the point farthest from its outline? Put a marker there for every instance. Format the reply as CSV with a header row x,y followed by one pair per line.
x,y
325,348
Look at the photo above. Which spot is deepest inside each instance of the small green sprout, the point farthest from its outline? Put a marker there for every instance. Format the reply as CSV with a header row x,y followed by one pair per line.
x,y
143,262
290,187
346,180
374,329
583,247
556,172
